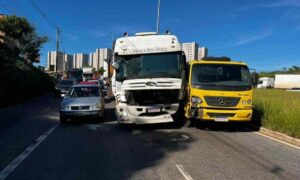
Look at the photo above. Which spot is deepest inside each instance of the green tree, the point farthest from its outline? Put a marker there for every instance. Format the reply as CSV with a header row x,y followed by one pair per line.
x,y
101,71
19,41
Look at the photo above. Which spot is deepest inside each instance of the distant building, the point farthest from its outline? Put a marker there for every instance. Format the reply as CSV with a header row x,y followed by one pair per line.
x,y
202,53
80,60
51,66
191,50
92,57
68,59
99,58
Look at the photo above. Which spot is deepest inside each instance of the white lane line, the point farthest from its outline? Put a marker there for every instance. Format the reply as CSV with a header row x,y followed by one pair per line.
x,y
185,136
277,140
4,173
110,122
184,173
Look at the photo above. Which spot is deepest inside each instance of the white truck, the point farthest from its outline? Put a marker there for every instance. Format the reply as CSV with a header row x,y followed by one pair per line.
x,y
88,73
287,81
265,82
147,80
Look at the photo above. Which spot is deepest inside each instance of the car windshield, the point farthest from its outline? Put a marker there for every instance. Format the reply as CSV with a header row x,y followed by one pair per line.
x,y
66,82
150,65
220,75
84,92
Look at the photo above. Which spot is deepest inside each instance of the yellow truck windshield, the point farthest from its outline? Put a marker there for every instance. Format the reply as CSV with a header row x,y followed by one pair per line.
x,y
221,77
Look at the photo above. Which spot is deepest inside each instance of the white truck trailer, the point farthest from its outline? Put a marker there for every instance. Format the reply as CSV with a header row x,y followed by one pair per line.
x,y
287,81
147,82
265,82
87,73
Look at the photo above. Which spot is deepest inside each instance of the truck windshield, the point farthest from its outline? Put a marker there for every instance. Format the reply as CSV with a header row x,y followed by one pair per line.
x,y
65,82
150,65
221,77
75,74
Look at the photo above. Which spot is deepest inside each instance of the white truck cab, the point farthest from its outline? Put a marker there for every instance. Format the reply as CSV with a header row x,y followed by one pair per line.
x,y
147,80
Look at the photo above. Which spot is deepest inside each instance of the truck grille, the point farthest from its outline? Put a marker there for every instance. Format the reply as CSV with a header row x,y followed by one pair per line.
x,y
222,101
150,97
80,107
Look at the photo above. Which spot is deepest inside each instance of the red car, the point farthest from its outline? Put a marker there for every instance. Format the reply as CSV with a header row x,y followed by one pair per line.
x,y
87,82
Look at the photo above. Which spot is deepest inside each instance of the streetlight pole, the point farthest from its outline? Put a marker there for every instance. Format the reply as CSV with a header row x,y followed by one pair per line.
x,y
157,20
57,47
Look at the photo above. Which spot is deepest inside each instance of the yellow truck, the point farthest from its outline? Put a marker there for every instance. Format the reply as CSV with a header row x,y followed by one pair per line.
x,y
219,90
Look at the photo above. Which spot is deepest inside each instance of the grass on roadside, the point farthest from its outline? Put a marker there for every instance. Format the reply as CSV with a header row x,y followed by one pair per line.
x,y
278,110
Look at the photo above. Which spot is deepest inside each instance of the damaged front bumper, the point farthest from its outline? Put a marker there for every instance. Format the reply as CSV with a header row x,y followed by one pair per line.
x,y
160,113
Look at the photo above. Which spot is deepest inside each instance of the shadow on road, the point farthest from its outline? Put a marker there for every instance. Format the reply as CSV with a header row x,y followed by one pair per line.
x,y
226,127
102,150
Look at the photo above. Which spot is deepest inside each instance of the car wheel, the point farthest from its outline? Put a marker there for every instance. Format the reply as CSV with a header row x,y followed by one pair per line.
x,y
101,116
62,119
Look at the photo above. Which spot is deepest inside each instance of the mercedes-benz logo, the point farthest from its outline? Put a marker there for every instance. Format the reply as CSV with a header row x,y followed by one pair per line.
x,y
221,101
150,83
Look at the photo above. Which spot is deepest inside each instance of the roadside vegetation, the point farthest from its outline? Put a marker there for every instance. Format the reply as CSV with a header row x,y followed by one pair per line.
x,y
285,70
278,110
19,49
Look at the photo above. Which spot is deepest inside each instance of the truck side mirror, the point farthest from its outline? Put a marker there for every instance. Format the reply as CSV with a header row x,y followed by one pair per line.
x,y
254,78
115,65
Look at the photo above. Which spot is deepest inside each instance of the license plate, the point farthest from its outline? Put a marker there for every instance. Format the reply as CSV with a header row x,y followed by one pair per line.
x,y
153,110
221,119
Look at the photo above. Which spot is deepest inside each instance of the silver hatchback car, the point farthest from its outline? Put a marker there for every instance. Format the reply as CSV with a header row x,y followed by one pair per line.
x,y
82,100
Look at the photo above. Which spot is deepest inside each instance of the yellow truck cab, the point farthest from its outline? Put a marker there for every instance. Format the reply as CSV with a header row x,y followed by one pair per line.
x,y
219,90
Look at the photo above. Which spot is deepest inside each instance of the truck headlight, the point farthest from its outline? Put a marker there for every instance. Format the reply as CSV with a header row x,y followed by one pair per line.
x,y
244,102
196,100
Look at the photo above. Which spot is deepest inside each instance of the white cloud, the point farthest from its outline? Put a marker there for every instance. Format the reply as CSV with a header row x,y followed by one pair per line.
x,y
246,39
71,36
252,38
280,3
97,33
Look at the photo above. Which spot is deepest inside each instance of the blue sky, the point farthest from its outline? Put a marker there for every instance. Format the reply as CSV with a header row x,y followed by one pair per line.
x,y
265,34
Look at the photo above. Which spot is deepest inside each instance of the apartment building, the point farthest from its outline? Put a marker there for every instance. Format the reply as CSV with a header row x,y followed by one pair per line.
x,y
202,53
51,61
80,60
99,59
191,50
69,63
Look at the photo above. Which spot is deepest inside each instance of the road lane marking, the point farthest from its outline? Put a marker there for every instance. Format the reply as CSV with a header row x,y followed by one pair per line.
x,y
184,173
4,173
277,140
185,136
110,122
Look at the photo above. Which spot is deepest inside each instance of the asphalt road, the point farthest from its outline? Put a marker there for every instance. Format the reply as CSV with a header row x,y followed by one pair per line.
x,y
34,145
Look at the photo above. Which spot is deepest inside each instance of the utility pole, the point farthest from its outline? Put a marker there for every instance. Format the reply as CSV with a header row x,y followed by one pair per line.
x,y
57,47
157,20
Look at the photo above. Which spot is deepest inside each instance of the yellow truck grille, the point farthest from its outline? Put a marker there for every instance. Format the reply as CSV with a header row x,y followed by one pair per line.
x,y
220,101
